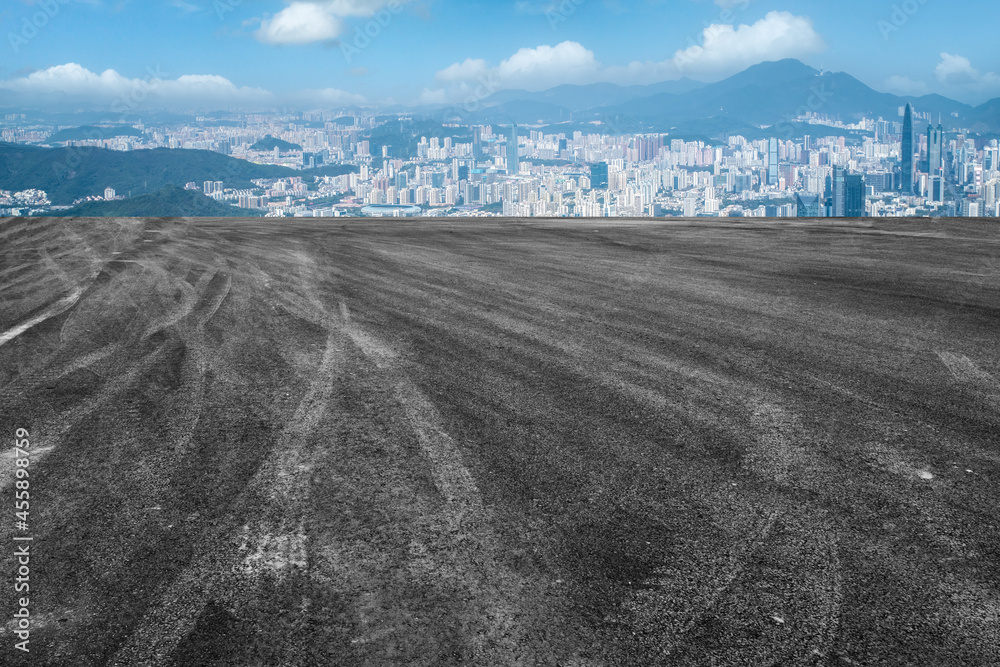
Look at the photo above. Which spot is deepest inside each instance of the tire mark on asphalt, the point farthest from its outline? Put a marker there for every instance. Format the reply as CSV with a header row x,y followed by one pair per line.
x,y
196,361
737,564
274,544
53,372
452,479
654,605
189,299
21,275
830,616
57,308
965,370
381,355
469,551
282,474
59,427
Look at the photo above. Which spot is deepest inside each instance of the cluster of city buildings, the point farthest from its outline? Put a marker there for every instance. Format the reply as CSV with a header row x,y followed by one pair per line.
x,y
20,203
885,168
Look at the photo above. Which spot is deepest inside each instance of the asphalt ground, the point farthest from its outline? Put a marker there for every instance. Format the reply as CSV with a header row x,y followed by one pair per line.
x,y
503,442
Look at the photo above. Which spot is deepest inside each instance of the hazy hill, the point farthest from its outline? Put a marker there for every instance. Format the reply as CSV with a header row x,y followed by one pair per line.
x,y
168,201
403,136
766,94
773,92
68,174
89,132
269,143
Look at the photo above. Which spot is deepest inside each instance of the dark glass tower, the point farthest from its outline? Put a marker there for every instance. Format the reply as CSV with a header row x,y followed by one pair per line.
x,y
839,192
906,153
808,206
854,196
935,143
599,176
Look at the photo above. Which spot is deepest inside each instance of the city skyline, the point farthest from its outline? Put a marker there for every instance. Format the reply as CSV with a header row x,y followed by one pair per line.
x,y
366,165
335,53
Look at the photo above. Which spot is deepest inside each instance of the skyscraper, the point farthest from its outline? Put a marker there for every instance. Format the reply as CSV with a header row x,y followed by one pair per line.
x,y
477,142
513,163
935,142
839,185
906,153
772,162
854,196
808,205
599,176
937,189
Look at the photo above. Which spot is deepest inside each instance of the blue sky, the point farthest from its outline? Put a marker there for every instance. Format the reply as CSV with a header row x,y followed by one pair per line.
x,y
311,52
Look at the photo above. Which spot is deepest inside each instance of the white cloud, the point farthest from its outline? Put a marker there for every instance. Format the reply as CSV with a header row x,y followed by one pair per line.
x,y
300,23
955,70
725,50
469,70
329,97
69,79
532,68
362,8
544,66
73,83
957,73
308,21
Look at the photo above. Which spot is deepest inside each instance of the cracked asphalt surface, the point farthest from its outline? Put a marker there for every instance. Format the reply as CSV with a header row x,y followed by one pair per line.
x,y
504,442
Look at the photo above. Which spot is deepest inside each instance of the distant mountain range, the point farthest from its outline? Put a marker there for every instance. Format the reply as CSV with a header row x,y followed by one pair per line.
x,y
768,94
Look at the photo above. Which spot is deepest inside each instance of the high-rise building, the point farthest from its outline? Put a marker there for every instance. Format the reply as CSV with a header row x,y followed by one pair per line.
x,y
906,153
772,162
845,195
477,142
513,162
808,206
312,160
937,189
839,193
599,176
935,142
854,196
690,204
